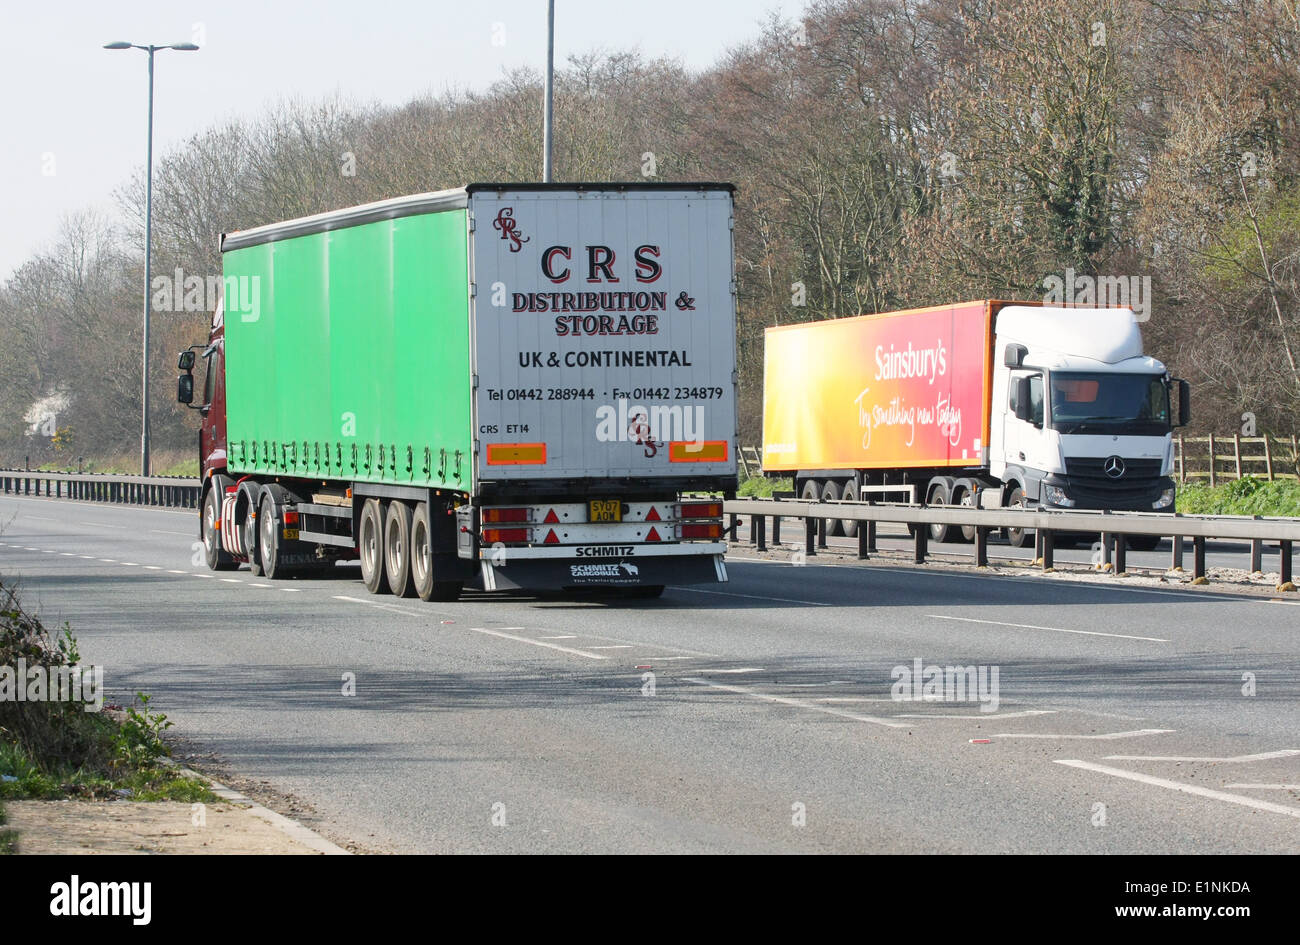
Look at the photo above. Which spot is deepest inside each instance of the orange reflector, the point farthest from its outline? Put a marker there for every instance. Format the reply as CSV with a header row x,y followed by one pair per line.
x,y
551,518
710,451
550,538
652,515
516,454
653,535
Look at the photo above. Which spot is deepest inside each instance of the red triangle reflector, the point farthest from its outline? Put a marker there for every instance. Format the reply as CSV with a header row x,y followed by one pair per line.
x,y
551,518
653,535
652,515
550,538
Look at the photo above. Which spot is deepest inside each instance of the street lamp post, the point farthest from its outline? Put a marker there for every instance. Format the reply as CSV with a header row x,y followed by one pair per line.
x,y
547,170
148,243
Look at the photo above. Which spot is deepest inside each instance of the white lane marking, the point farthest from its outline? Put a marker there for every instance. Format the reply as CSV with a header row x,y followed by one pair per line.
x,y
783,600
42,518
1185,788
129,564
291,590
202,574
543,643
612,646
1267,787
163,531
796,703
48,551
662,659
109,560
232,580
87,557
174,571
742,669
987,715
152,567
353,600
100,525
856,699
563,636
68,554
25,548
1136,733
1029,626
1239,759
254,584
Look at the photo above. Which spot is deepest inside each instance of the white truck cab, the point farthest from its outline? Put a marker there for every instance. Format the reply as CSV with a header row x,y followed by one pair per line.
x,y
1081,418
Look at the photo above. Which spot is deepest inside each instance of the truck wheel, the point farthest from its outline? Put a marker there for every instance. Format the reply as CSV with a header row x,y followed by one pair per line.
x,y
422,566
217,560
269,538
370,543
849,526
939,495
397,548
1018,537
248,531
831,493
964,496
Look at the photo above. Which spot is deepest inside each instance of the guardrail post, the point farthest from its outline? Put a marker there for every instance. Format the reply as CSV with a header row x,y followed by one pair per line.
x,y
810,535
1285,566
1256,556
760,531
822,529
981,546
735,526
1198,559
921,543
1121,554
1106,539
1176,556
1039,542
871,537
1048,541
776,529
864,539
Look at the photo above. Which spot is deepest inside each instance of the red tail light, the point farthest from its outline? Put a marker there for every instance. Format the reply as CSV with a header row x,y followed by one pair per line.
x,y
702,530
290,519
700,510
493,516
505,536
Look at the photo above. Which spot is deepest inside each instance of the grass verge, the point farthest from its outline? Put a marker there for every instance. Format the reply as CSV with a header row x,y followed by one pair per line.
x,y
1246,496
53,749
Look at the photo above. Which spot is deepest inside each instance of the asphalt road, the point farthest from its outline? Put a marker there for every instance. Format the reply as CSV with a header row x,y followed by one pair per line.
x,y
503,723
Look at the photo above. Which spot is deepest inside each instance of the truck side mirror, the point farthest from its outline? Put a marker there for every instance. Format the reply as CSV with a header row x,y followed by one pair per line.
x,y
1024,409
185,387
1184,402
186,361
1014,356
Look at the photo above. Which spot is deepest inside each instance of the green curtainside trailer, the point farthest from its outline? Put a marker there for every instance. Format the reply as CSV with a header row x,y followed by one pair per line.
x,y
501,385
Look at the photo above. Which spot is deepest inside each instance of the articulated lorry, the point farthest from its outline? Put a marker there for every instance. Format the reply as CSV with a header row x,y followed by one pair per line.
x,y
500,386
989,404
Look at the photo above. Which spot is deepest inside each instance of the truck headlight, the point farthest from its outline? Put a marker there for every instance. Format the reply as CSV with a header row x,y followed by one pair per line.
x,y
1055,495
1166,499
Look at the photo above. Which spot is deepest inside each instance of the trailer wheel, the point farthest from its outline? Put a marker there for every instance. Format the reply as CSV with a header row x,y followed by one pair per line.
x,y
849,526
939,495
964,496
217,560
422,566
397,548
370,543
269,544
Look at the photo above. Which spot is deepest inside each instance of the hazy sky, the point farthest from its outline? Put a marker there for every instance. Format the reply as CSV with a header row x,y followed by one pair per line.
x,y
74,115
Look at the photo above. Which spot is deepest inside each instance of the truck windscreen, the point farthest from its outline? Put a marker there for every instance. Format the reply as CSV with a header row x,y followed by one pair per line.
x,y
1124,404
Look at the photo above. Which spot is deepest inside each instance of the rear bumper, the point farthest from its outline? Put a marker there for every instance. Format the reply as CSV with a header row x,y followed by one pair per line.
x,y
559,568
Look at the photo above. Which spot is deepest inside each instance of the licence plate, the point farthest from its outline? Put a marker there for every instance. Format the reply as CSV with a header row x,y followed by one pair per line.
x,y
604,510
291,534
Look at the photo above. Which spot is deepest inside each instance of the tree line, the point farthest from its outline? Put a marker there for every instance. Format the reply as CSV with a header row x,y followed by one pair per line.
x,y
887,154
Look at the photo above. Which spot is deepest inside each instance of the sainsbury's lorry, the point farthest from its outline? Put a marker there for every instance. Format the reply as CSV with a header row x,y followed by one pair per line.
x,y
500,386
986,403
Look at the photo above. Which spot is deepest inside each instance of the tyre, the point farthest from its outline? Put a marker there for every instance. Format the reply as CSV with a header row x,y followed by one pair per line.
x,y
964,496
397,548
217,560
423,569
849,526
249,535
268,531
939,495
1018,537
831,493
370,544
